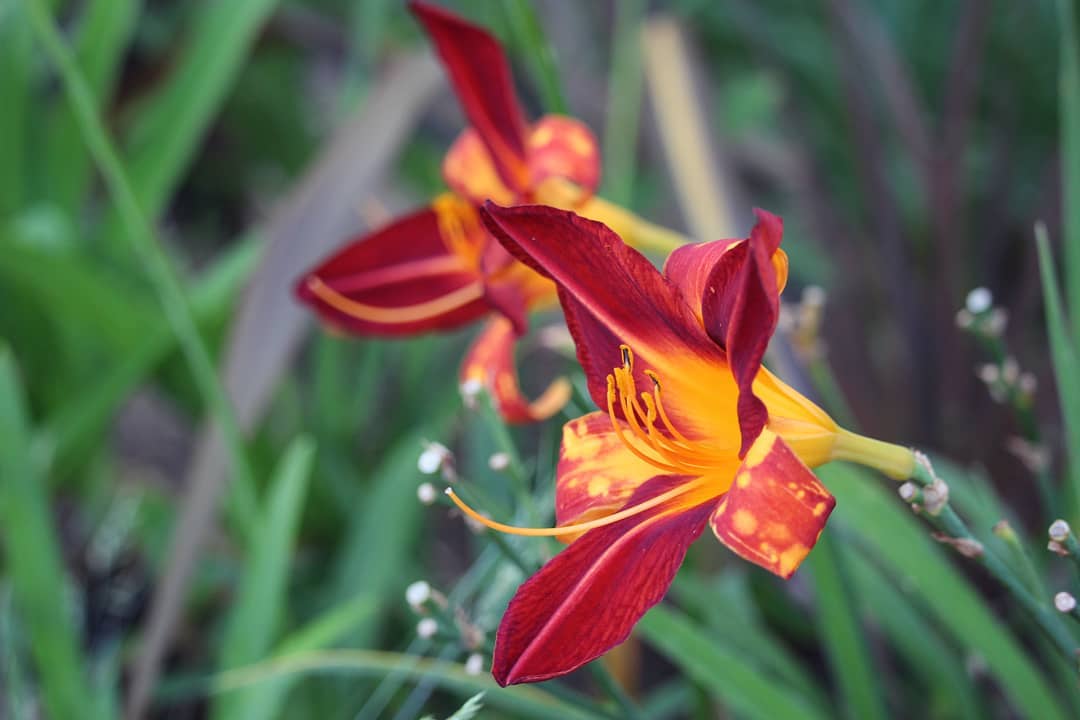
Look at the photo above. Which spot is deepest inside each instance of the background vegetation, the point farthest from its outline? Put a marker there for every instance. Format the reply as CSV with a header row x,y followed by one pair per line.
x,y
168,168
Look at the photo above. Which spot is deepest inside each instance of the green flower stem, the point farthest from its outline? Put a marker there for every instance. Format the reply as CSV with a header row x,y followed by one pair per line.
x,y
143,238
504,441
1021,560
951,525
1024,413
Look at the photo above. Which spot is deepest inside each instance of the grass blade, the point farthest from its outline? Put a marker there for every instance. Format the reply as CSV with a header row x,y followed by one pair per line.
x,y
625,90
32,557
840,631
1069,92
253,620
528,39
169,127
723,674
911,557
946,684
15,88
1063,353
104,33
522,701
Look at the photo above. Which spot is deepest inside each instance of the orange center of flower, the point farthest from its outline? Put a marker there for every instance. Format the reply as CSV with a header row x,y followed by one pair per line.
x,y
653,437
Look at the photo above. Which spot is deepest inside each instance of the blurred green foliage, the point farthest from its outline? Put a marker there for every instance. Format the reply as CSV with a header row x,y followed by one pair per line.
x,y
910,145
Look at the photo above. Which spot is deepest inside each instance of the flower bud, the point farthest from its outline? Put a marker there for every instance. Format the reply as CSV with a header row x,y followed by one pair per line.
x,y
418,593
1059,531
1065,602
499,461
432,458
474,664
426,628
979,301
426,493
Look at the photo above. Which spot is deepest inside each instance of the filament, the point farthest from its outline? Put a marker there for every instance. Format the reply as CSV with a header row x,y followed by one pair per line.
x,y
575,528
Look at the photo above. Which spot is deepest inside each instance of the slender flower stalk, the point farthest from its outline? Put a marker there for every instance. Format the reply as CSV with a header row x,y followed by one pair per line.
x,y
437,268
692,431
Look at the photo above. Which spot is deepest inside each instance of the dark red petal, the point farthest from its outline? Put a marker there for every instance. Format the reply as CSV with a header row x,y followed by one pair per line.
x,y
775,510
490,361
587,599
481,78
689,267
402,265
740,309
611,294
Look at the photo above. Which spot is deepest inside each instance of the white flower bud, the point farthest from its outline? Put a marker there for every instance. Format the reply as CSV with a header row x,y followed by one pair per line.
x,y
426,628
499,461
432,458
1059,531
418,593
1064,602
470,390
979,301
426,493
908,491
474,664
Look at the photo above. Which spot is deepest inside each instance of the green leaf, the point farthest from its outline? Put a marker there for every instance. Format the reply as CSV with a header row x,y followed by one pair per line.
x,y
33,559
388,518
728,609
16,66
169,126
81,420
625,90
947,690
104,31
521,701
254,618
320,633
722,673
1063,353
1069,90
840,631
528,40
904,547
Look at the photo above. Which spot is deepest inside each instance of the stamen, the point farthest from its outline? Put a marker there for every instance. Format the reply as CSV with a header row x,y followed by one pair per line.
x,y
660,407
396,315
676,453
575,528
459,227
615,425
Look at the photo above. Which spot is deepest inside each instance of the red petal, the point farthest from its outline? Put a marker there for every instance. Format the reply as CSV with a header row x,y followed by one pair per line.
x,y
597,474
587,599
490,361
401,280
564,147
611,294
481,78
740,309
775,509
689,267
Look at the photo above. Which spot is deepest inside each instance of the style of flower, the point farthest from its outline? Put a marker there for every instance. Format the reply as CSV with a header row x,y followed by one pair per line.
x,y
437,268
694,432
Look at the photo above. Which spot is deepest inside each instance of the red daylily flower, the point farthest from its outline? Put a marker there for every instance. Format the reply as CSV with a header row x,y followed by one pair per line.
x,y
438,269
714,439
